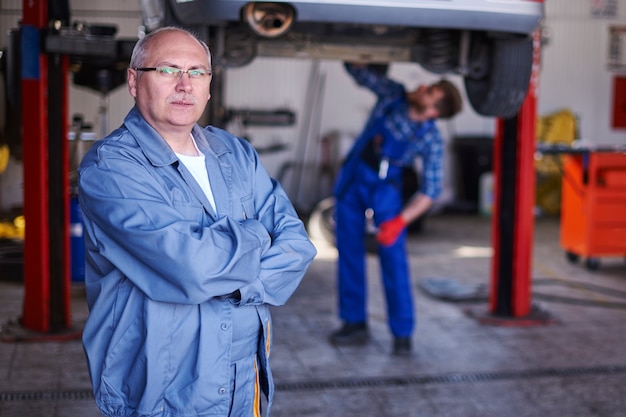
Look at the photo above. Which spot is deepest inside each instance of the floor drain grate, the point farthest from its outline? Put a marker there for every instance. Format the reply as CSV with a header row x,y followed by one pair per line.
x,y
46,395
449,378
77,395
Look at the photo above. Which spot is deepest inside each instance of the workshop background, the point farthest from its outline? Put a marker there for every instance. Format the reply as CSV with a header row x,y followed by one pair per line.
x,y
583,62
565,358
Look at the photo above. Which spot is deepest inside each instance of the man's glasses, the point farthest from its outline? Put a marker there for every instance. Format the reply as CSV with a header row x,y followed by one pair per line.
x,y
177,73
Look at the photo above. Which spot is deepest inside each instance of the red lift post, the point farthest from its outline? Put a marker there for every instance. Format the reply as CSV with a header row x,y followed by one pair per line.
x,y
46,309
513,215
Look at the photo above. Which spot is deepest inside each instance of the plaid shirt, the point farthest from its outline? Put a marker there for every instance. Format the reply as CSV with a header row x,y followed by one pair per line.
x,y
404,140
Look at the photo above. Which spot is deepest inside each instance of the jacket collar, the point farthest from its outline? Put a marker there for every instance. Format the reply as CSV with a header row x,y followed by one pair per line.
x,y
156,149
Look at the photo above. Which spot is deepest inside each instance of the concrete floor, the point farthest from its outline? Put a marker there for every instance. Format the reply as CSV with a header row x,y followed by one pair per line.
x,y
464,364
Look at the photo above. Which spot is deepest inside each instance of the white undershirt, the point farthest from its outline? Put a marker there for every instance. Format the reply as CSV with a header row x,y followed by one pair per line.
x,y
197,167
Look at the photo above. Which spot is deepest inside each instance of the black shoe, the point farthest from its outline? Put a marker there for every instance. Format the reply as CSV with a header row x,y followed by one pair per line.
x,y
402,346
350,334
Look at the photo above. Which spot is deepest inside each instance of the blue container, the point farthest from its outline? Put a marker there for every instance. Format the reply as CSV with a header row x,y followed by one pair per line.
x,y
77,242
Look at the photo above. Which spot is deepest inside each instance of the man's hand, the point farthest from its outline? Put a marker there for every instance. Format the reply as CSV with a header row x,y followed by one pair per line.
x,y
389,230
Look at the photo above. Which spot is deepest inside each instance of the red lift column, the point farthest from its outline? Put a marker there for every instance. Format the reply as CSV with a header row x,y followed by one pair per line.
x,y
46,203
513,218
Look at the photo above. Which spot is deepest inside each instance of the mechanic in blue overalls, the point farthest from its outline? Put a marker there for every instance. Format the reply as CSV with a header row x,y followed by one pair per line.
x,y
401,128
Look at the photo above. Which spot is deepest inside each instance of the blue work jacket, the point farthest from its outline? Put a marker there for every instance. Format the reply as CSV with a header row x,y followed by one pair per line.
x,y
161,263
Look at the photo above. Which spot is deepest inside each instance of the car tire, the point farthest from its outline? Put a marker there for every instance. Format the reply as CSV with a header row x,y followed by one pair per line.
x,y
321,223
501,90
321,226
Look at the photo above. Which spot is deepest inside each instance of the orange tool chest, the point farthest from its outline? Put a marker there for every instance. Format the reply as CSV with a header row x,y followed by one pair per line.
x,y
593,206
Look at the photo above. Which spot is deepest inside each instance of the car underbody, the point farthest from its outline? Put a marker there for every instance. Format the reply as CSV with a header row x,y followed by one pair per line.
x,y
495,65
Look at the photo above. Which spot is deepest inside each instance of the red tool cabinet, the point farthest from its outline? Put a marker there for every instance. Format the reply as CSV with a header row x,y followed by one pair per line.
x,y
593,206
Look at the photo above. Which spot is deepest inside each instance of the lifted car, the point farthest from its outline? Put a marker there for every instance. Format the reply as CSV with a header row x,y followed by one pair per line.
x,y
488,42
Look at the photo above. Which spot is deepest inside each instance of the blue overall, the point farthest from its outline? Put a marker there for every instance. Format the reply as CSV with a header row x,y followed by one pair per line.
x,y
362,185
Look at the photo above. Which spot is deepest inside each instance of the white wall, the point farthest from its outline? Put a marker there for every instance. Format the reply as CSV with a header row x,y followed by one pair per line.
x,y
574,70
573,75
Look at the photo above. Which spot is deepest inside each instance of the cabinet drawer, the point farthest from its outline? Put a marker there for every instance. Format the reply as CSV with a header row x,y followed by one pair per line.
x,y
607,209
608,240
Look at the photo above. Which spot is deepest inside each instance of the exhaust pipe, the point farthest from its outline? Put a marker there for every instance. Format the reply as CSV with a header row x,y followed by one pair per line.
x,y
269,20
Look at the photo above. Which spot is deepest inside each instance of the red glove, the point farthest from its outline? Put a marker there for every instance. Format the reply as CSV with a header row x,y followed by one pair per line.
x,y
389,230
